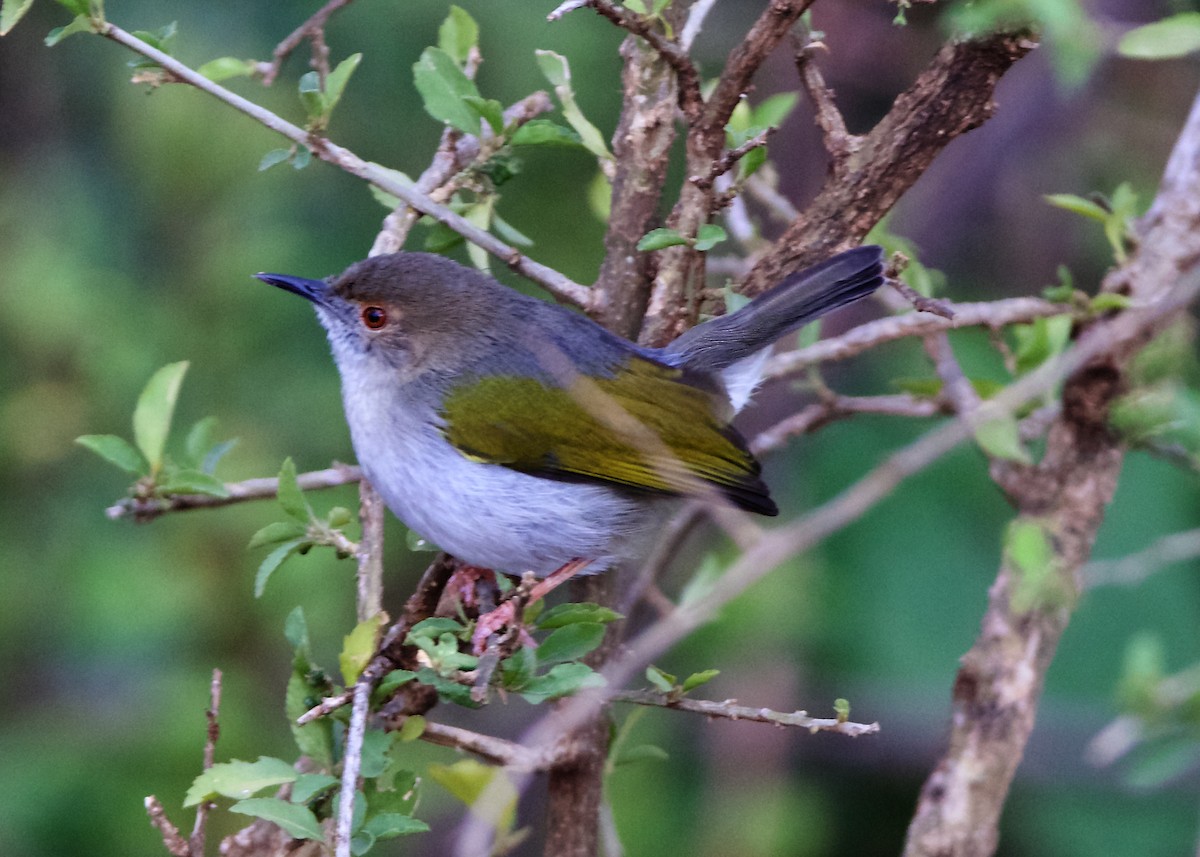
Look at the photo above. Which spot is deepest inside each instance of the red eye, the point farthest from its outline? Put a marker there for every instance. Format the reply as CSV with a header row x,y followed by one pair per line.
x,y
374,317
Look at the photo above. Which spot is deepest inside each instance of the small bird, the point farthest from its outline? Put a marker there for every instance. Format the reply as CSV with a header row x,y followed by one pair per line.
x,y
521,436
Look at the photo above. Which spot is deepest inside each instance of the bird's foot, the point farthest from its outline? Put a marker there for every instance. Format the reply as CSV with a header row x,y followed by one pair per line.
x,y
467,586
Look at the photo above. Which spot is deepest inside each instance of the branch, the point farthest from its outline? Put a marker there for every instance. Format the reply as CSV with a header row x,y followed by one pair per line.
x,y
950,98
314,29
730,710
196,843
993,314
552,281
143,509
1136,567
835,407
495,751
175,844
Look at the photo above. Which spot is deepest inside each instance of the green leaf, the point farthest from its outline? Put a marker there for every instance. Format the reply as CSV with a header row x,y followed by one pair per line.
x,y
11,12
458,34
1110,301
115,450
1153,765
275,532
657,239
376,744
636,5
708,236
570,642
293,818
295,630
412,728
545,132
81,24
79,7
774,109
999,437
467,780
696,679
393,680
562,680
273,157
358,647
239,779
291,498
509,232
301,157
311,97
1078,205
663,681
308,786
556,70
434,627
1041,340
443,86
751,162
640,753
488,109
480,216
1173,36
569,614
305,688
155,408
200,439
518,670
191,482
388,825
449,691
841,708
223,68
335,82
1028,548
272,561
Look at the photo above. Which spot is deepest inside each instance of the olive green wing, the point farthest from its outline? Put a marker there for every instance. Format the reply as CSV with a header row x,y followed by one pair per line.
x,y
644,429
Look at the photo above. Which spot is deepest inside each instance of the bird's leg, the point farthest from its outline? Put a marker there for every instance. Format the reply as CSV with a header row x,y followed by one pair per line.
x,y
506,613
463,588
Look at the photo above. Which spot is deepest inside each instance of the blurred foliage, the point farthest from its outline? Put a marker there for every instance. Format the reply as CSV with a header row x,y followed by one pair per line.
x,y
131,221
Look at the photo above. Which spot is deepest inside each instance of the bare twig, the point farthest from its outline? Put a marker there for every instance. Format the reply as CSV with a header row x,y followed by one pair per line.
x,y
175,844
831,408
730,710
866,336
312,29
730,157
695,22
196,843
555,283
839,143
496,751
146,509
1133,569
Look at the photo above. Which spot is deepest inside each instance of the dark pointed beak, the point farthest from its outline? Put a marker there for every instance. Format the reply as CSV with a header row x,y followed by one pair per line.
x,y
313,290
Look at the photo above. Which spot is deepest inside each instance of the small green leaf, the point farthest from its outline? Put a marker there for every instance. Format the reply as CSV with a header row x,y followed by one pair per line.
x,y
1041,340
696,679
305,687
468,779
335,82
999,437
458,34
435,626
275,532
191,482
1173,36
295,630
1028,548
308,786
636,5
115,450
640,753
545,132
301,158
488,109
569,614
291,498
556,70
79,7
223,68
509,232
311,96
239,779
570,642
81,24
841,708
562,680
443,86
272,561
663,681
448,691
393,680
376,744
480,216
412,728
1078,205
708,236
518,670
358,647
155,408
657,239
295,819
11,12
273,157
1110,301
200,438
388,825
774,109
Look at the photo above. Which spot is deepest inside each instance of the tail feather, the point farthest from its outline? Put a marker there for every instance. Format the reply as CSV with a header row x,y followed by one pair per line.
x,y
802,297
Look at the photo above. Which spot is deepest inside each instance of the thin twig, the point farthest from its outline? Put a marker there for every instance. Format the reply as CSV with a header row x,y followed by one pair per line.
x,y
839,142
730,157
351,765
213,733
730,710
552,281
1133,569
695,22
313,29
496,751
866,336
146,509
175,844
831,408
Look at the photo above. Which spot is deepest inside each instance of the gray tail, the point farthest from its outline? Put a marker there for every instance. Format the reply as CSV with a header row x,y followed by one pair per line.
x,y
802,297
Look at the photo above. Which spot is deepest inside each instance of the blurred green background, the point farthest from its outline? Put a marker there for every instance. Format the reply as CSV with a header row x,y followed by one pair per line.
x,y
130,223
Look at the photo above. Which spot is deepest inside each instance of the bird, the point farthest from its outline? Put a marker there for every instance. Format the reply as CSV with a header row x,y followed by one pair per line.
x,y
521,436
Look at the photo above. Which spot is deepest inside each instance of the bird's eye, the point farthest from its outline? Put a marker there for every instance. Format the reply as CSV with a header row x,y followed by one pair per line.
x,y
374,317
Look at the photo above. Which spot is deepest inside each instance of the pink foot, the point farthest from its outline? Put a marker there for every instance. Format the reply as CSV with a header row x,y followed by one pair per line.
x,y
506,614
